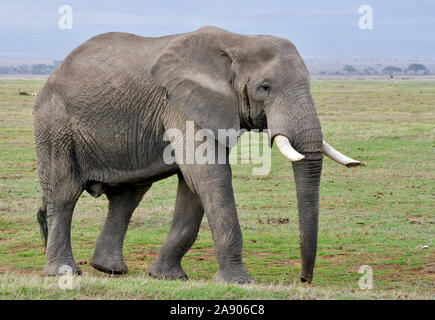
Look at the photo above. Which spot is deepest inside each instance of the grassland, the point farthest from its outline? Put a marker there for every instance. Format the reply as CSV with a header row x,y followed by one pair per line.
x,y
376,215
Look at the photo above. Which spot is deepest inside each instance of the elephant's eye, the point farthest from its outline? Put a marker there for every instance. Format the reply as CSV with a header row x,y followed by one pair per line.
x,y
265,86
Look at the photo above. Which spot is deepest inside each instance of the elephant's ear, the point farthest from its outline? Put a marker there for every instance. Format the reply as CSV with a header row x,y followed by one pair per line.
x,y
195,69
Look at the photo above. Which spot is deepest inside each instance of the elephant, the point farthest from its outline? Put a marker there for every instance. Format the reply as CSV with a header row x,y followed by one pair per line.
x,y
100,121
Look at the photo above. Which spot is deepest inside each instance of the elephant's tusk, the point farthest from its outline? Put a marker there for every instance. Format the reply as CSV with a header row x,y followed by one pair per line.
x,y
330,152
287,150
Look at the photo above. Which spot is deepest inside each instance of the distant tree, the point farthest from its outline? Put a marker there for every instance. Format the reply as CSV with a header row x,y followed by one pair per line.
x,y
349,69
41,69
30,69
56,63
390,70
4,70
370,70
22,69
416,67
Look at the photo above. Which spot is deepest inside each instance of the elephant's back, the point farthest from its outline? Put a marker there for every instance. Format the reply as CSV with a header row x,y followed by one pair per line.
x,y
102,96
112,51
105,82
103,67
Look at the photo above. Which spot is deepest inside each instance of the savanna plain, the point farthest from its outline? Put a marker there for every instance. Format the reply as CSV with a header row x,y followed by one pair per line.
x,y
381,215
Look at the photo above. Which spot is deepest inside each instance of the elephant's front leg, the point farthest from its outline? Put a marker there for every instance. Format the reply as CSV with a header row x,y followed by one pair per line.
x,y
212,183
184,230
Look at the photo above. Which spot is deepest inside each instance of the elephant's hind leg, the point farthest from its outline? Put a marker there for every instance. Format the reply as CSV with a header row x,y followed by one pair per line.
x,y
58,222
184,230
123,200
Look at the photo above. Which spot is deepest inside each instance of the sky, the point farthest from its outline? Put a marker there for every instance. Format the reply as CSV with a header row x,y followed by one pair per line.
x,y
29,29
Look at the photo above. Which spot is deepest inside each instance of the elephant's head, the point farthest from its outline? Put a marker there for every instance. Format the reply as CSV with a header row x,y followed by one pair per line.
x,y
223,80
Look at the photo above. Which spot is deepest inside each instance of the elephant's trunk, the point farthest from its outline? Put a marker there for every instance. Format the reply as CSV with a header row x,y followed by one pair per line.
x,y
307,177
295,127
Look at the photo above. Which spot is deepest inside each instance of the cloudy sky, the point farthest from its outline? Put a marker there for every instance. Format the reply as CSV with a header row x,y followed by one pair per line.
x,y
29,29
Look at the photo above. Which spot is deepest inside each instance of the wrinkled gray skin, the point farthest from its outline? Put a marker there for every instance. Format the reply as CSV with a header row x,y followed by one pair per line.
x,y
99,124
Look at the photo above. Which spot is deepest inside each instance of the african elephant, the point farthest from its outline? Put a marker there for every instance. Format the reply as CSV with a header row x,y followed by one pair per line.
x,y
99,126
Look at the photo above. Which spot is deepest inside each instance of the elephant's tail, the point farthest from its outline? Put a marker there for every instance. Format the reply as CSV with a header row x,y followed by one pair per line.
x,y
42,220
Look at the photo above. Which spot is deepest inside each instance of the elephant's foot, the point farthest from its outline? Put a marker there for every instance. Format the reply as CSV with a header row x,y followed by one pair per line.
x,y
56,268
167,271
233,275
116,270
108,264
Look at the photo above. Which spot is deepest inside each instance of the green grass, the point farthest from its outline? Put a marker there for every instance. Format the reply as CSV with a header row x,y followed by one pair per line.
x,y
375,215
